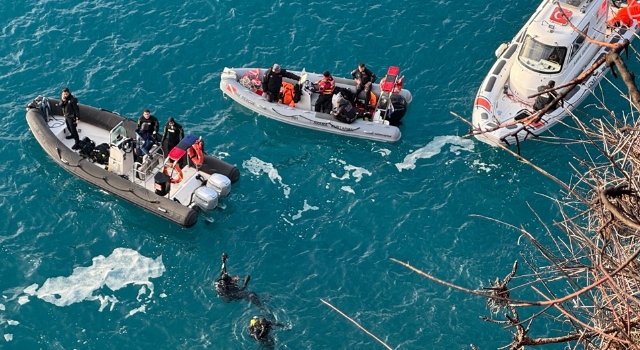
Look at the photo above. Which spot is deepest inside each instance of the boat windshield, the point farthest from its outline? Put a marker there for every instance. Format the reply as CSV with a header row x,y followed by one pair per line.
x,y
118,133
542,58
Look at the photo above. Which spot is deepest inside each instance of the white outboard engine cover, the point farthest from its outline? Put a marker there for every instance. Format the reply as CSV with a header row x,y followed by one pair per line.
x,y
206,198
220,184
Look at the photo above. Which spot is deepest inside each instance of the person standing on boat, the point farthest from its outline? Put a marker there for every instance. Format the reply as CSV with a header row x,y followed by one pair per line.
x,y
272,82
71,113
364,79
173,133
325,87
149,123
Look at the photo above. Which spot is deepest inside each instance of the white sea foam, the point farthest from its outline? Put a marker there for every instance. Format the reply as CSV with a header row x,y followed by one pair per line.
x,y
142,308
8,337
2,307
123,267
23,300
432,148
351,170
304,208
257,167
348,189
12,323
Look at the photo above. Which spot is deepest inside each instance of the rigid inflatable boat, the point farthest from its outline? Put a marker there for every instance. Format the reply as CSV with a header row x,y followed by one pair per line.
x,y
546,49
378,124
153,182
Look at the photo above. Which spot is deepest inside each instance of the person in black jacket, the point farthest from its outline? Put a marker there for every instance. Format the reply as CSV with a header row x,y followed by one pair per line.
x,y
544,99
364,79
173,133
343,110
71,113
272,82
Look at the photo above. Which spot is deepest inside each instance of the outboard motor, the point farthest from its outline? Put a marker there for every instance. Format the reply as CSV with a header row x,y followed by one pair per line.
x,y
219,183
205,198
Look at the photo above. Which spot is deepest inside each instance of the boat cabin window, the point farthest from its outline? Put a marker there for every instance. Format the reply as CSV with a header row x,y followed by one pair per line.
x,y
540,57
575,3
577,44
117,134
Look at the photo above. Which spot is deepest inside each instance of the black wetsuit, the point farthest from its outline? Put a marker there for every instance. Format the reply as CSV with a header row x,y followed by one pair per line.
x,y
365,77
71,113
172,134
272,83
150,125
345,112
229,289
261,330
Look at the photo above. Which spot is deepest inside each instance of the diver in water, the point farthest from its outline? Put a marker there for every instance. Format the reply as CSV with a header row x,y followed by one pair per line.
x,y
259,329
228,288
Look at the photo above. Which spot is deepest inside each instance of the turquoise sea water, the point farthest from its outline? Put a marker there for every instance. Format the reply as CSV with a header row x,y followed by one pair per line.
x,y
313,216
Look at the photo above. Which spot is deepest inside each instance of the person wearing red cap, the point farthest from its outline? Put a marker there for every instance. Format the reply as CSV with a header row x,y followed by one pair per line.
x,y
325,87
272,82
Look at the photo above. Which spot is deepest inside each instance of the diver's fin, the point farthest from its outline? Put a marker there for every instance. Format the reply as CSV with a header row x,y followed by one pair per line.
x,y
246,280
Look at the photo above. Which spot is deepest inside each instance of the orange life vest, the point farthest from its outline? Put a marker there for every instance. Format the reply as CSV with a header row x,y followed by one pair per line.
x,y
288,92
373,99
196,154
176,169
326,85
626,15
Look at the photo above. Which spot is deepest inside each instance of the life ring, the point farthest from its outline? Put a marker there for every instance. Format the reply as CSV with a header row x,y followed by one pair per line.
x,y
195,152
176,168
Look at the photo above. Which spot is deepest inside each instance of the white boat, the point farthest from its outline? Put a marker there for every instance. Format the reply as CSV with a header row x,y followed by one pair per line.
x,y
390,107
527,63
147,181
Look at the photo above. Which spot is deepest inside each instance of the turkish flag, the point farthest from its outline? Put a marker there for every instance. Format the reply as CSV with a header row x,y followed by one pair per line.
x,y
557,17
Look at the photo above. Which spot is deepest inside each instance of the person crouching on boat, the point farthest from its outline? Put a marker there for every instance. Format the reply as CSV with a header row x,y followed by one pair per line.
x,y
325,87
227,287
343,110
272,82
544,99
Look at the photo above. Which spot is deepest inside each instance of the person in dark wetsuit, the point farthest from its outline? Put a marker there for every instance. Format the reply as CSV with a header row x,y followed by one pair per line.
x,y
228,288
343,110
364,79
149,123
71,113
260,328
172,134
272,82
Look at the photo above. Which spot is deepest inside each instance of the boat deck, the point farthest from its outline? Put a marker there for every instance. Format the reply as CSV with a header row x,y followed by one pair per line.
x,y
147,169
